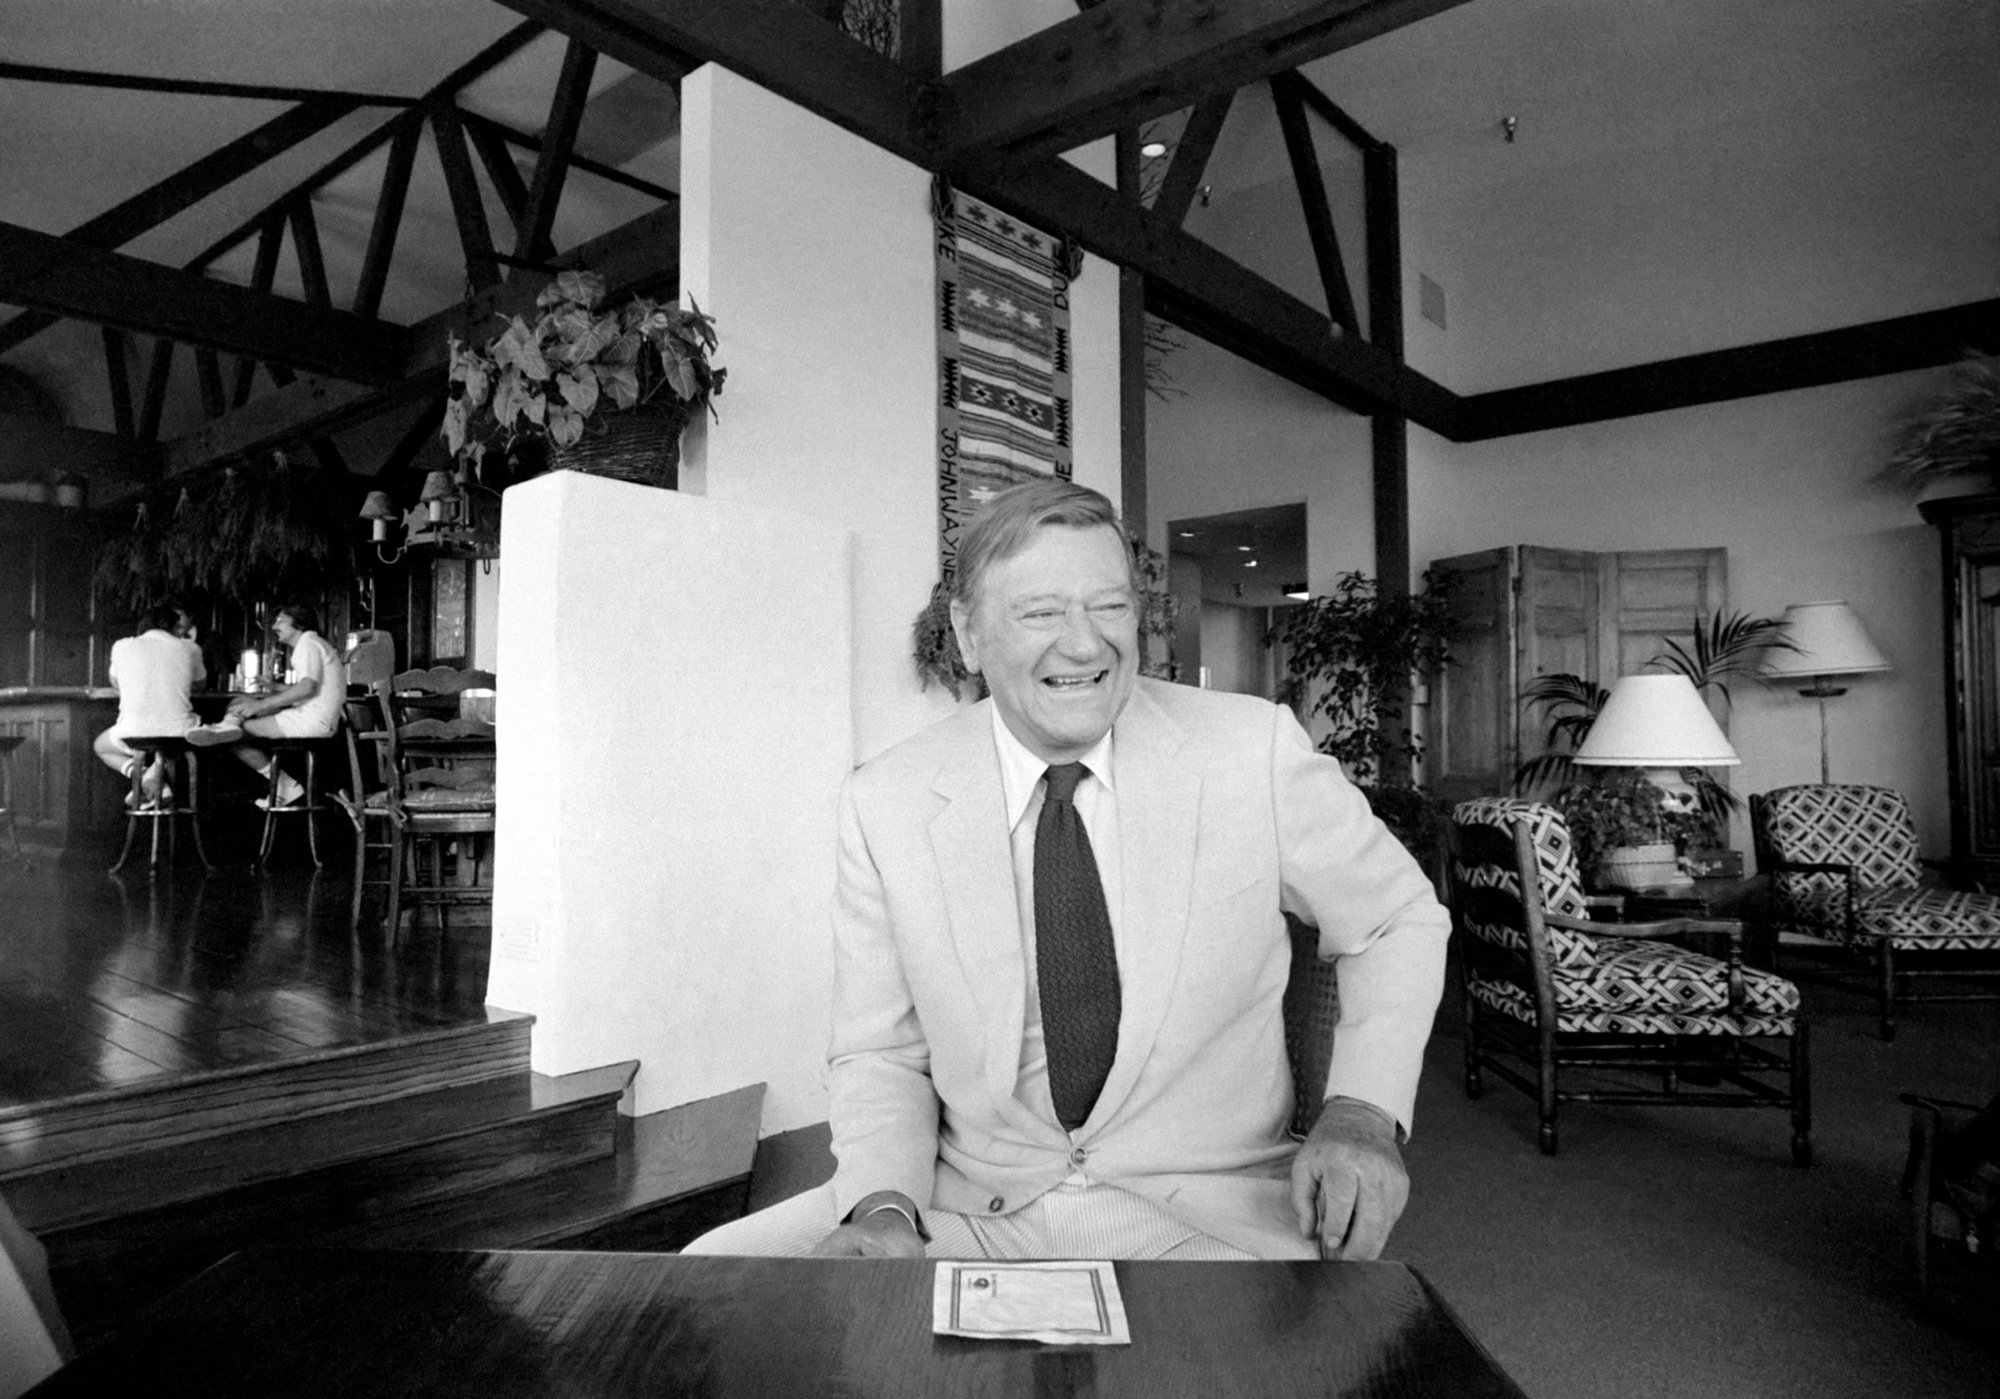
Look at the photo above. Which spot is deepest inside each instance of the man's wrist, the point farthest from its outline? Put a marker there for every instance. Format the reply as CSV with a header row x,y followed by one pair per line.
x,y
1346,1105
889,1202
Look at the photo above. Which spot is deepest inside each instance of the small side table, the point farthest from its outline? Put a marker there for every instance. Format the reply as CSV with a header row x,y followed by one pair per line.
x,y
1740,897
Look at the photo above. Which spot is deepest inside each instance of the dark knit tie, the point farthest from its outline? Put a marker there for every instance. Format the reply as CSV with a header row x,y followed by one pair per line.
x,y
1076,968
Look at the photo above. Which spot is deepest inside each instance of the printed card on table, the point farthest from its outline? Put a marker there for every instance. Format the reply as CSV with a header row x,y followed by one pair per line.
x,y
1065,1303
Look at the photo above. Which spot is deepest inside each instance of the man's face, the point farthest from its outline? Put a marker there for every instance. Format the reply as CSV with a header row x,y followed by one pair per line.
x,y
1055,631
285,629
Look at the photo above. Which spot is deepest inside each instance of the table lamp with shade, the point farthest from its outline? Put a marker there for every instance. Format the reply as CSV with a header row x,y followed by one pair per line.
x,y
1659,724
1830,644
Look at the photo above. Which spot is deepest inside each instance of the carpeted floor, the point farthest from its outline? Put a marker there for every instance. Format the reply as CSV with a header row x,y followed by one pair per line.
x,y
1676,1253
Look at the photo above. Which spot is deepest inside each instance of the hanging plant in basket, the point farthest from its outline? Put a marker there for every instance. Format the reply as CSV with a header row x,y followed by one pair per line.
x,y
584,388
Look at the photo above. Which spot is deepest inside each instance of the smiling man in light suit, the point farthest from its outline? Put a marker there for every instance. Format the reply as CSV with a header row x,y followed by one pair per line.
x,y
1060,952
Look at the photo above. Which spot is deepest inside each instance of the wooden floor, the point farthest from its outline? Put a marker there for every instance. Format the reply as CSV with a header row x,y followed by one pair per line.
x,y
107,981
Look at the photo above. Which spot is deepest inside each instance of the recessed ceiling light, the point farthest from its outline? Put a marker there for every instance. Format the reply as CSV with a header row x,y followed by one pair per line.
x,y
1249,563
1187,534
1299,591
1153,150
1243,548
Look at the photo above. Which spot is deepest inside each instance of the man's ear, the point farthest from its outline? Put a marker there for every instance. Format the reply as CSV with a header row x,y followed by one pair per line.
x,y
961,627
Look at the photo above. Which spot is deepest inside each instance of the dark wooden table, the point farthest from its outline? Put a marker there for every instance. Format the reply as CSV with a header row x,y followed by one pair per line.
x,y
354,1323
1741,897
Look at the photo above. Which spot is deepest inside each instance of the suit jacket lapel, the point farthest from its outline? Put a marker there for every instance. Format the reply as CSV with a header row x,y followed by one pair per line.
x,y
1159,798
975,863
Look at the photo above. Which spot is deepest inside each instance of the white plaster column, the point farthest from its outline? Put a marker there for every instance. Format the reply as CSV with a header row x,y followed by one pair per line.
x,y
674,728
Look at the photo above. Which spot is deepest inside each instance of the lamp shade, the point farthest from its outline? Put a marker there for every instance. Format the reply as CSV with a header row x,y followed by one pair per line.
x,y
1655,721
1830,641
437,485
378,506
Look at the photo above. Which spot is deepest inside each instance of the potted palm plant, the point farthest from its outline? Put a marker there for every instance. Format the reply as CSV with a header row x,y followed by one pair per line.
x,y
1617,817
1953,436
583,387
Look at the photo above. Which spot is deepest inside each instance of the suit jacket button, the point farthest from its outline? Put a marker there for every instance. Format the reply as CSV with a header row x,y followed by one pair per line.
x,y
996,1204
1078,1157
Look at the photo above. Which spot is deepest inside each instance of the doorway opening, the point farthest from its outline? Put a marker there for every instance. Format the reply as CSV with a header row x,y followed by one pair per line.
x,y
1233,575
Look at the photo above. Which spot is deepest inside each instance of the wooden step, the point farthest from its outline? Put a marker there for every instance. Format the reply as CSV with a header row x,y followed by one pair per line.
x,y
154,1112
74,1194
416,1154
674,1173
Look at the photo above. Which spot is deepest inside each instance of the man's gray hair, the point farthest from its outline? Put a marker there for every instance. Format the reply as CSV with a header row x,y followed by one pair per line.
x,y
1010,520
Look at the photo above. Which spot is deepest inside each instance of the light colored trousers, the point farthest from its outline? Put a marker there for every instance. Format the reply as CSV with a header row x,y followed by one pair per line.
x,y
1075,1220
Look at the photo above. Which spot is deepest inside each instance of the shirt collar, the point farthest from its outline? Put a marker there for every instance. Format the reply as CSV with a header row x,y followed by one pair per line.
x,y
1021,771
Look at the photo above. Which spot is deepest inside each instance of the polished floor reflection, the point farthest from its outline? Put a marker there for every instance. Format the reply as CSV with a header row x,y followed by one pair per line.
x,y
110,980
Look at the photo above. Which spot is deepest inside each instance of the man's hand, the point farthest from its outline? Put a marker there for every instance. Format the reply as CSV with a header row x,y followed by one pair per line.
x,y
885,1233
1348,1182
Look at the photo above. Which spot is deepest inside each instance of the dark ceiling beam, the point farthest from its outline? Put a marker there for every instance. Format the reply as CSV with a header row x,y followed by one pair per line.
x,y
532,225
1192,285
1304,157
1336,116
474,122
1190,158
776,44
501,171
468,207
638,257
1894,346
481,63
388,220
33,448
154,206
1127,61
118,377
188,87
43,272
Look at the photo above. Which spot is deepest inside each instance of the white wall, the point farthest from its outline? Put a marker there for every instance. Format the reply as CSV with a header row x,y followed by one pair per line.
x,y
1788,484
705,915
813,251
1242,438
667,759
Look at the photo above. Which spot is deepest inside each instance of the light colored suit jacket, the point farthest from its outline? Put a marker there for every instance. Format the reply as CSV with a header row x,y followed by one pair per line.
x,y
1227,818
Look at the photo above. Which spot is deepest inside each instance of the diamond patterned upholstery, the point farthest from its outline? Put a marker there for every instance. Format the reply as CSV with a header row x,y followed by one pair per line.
x,y
1546,997
1867,829
1606,984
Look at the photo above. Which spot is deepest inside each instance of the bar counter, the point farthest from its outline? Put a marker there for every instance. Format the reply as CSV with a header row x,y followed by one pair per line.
x,y
65,801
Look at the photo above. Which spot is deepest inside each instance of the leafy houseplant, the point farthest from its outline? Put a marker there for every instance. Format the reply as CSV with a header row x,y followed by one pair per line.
x,y
1618,807
1954,434
1353,652
555,384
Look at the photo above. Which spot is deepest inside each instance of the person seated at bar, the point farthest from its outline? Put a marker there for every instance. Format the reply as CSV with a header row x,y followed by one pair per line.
x,y
307,707
1060,952
154,670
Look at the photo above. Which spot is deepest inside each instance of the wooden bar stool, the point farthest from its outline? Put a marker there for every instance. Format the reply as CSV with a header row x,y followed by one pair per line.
x,y
309,804
184,787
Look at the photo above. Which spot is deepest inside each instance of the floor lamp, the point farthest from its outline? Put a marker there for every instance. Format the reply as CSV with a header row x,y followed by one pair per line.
x,y
1831,646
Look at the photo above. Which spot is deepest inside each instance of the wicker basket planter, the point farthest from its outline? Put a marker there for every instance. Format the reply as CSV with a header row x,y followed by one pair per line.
x,y
1638,866
642,446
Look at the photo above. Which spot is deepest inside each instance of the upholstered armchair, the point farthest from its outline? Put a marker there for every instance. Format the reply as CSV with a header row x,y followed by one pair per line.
x,y
1844,867
1548,991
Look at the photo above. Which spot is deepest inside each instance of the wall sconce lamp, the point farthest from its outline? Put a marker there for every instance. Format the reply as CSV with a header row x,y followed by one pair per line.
x,y
1831,644
379,510
441,496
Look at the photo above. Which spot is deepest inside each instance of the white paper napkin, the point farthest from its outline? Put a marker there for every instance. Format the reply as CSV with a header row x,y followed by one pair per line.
x,y
1067,1303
